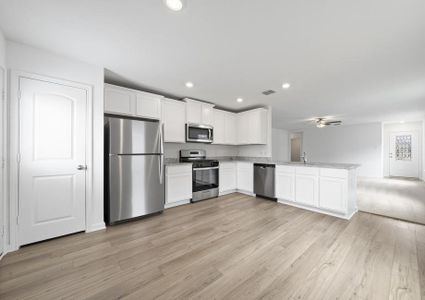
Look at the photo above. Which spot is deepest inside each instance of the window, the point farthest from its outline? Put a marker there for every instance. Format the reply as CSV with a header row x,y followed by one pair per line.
x,y
403,147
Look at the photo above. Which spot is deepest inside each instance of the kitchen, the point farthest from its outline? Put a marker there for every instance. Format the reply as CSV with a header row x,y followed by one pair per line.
x,y
325,188
195,149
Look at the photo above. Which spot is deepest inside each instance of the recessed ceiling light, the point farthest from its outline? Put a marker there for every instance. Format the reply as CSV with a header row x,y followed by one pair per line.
x,y
239,100
189,84
175,5
286,85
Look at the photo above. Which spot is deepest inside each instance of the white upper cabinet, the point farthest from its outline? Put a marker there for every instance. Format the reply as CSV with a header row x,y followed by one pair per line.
x,y
219,127
224,127
230,128
148,105
252,127
199,112
174,119
123,101
119,100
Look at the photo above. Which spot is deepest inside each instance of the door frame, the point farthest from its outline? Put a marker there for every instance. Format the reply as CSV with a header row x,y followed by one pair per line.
x,y
15,77
400,126
418,133
3,170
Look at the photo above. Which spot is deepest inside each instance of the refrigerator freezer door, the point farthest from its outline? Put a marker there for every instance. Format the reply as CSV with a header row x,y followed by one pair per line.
x,y
133,136
135,187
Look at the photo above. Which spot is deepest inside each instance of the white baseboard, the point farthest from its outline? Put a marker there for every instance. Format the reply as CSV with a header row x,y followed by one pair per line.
x,y
338,215
174,204
96,227
223,193
246,193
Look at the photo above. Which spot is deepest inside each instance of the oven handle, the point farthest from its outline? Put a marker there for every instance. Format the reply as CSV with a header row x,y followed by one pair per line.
x,y
202,169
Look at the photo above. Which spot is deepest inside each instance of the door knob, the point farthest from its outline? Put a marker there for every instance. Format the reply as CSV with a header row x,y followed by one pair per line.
x,y
81,167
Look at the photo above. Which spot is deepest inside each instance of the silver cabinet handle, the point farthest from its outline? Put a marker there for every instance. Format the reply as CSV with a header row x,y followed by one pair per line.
x,y
81,167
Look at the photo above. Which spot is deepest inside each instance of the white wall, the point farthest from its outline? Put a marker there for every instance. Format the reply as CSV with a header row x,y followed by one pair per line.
x,y
280,144
397,127
171,150
259,150
28,59
361,144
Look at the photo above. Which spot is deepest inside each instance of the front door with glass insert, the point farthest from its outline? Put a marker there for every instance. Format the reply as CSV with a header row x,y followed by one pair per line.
x,y
404,154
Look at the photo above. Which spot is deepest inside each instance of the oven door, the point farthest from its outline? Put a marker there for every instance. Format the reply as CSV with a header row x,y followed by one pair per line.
x,y
204,179
196,133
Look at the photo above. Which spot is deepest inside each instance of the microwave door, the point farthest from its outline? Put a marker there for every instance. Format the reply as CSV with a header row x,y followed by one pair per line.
x,y
201,134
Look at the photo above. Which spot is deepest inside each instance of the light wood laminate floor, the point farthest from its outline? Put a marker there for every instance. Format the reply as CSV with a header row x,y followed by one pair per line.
x,y
393,197
233,247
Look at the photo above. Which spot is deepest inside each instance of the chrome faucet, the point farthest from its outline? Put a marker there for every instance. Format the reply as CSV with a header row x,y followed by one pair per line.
x,y
304,158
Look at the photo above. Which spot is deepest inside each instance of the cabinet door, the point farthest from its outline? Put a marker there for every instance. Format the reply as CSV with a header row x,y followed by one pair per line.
x,y
178,184
285,186
219,127
207,112
148,105
307,189
119,101
245,176
193,112
227,179
173,118
257,124
333,194
242,128
230,128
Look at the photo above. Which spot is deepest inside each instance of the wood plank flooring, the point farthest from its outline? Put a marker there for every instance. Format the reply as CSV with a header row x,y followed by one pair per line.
x,y
233,247
398,198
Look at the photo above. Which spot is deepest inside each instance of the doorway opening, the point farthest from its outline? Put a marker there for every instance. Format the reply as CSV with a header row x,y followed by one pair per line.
x,y
296,146
399,194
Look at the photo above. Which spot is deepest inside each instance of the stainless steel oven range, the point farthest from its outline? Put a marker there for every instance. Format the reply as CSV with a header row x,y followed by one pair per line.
x,y
205,178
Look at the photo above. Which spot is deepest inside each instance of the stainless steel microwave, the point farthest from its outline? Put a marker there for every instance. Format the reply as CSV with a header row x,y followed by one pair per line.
x,y
198,133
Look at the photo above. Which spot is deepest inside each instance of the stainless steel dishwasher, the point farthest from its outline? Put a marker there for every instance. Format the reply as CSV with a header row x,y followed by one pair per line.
x,y
264,180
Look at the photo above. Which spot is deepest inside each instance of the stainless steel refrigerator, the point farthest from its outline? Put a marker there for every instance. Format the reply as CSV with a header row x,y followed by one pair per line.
x,y
134,168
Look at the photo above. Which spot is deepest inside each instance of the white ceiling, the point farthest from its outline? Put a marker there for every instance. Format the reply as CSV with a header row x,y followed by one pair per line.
x,y
359,61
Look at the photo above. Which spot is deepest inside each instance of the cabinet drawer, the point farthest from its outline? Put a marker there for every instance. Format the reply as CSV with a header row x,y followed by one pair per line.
x,y
335,173
176,169
307,171
285,169
228,165
245,165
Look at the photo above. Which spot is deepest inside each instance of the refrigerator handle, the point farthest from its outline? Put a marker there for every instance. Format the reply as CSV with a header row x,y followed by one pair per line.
x,y
161,155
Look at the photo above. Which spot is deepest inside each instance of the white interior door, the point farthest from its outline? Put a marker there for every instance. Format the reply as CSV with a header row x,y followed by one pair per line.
x,y
52,160
2,155
404,154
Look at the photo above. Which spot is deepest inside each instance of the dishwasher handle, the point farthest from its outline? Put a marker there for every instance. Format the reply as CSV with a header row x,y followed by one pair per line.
x,y
263,166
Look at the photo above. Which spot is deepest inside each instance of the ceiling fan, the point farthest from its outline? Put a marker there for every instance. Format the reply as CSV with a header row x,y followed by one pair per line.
x,y
322,122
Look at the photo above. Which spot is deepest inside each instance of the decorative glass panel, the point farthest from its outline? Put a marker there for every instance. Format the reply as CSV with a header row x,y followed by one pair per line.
x,y
403,147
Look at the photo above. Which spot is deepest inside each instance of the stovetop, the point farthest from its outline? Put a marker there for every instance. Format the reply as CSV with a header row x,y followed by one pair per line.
x,y
201,163
198,158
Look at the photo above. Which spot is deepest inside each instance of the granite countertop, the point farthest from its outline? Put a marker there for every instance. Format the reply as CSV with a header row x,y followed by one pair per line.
x,y
175,161
319,165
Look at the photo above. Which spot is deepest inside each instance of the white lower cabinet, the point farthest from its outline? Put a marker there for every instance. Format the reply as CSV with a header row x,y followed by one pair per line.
x,y
227,177
334,190
307,186
245,176
330,191
307,190
178,184
285,183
